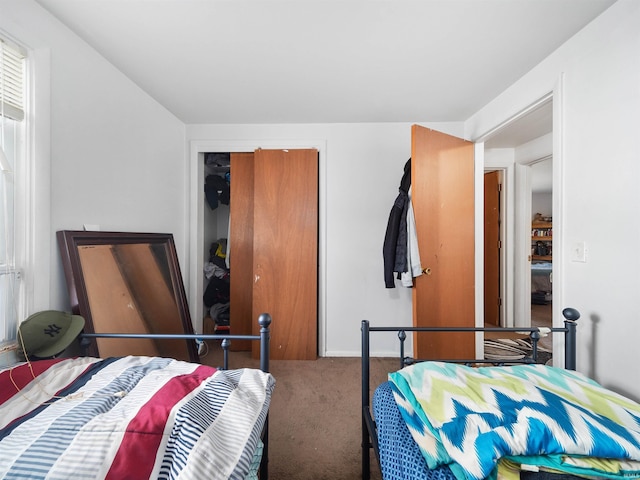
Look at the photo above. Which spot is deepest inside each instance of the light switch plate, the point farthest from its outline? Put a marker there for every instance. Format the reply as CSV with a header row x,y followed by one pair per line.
x,y
579,252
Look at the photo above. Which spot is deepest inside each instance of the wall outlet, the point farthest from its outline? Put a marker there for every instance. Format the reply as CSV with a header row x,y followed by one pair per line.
x,y
579,252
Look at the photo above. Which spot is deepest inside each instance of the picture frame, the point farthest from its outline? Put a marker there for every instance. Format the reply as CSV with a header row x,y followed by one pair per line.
x,y
122,282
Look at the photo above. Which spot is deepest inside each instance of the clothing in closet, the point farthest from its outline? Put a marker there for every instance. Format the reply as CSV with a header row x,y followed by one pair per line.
x,y
217,293
216,187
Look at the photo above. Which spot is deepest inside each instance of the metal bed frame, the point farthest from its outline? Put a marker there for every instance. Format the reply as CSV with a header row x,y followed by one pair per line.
x,y
369,434
264,320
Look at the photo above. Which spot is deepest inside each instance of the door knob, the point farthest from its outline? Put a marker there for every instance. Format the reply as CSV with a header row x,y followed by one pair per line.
x,y
426,271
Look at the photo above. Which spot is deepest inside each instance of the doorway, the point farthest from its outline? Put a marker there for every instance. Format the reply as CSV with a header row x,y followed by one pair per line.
x,y
514,149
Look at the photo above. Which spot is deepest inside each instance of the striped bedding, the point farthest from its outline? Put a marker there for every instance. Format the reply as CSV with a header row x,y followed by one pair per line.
x,y
492,422
131,417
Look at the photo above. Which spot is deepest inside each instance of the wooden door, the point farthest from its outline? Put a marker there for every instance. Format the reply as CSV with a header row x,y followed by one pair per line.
x,y
492,248
442,177
285,250
241,248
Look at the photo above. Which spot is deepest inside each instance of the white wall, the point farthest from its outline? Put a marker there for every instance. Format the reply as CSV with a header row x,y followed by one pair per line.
x,y
116,156
541,203
598,71
359,180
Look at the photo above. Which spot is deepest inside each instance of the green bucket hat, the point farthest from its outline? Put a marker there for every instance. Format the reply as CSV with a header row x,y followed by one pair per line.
x,y
48,333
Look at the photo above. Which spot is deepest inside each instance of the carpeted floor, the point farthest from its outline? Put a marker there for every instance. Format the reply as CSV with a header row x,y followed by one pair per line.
x,y
314,419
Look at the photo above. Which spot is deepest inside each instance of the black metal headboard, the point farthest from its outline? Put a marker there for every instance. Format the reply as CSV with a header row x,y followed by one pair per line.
x,y
369,437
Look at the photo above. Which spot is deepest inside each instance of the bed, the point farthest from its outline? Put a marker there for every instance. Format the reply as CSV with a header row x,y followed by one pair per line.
x,y
470,419
136,416
541,280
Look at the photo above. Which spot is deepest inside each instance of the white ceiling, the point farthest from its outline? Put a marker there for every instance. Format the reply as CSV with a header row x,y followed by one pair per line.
x,y
308,61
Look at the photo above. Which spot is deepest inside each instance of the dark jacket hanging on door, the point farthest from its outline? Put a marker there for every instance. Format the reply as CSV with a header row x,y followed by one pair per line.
x,y
394,250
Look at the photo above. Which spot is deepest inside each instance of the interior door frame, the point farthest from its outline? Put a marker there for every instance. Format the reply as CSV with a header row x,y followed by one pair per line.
x,y
522,238
507,231
515,272
522,241
196,219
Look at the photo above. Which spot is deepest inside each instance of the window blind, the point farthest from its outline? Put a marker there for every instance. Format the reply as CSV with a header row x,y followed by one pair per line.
x,y
12,130
11,82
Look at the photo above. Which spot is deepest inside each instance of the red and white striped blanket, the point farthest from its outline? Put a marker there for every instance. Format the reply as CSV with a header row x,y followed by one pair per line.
x,y
130,417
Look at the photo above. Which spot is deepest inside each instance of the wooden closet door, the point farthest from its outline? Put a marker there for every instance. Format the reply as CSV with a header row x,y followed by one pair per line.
x,y
442,177
241,248
285,250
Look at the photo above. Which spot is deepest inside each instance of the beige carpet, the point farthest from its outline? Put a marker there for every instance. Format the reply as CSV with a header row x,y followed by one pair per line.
x,y
314,419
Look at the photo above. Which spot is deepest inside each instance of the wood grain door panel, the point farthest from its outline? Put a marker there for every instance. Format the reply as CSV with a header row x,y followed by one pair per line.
x,y
241,248
285,249
492,248
442,173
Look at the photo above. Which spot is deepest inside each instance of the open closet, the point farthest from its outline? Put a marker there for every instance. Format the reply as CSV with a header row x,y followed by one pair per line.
x,y
260,247
216,296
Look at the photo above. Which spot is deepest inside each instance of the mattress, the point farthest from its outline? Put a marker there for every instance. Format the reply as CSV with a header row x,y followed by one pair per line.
x,y
541,277
400,457
130,417
482,421
612,439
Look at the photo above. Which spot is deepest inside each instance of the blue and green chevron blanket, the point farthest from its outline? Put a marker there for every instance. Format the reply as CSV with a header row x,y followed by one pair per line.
x,y
480,421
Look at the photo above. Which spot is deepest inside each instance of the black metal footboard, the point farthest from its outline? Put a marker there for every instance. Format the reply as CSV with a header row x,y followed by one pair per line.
x,y
369,435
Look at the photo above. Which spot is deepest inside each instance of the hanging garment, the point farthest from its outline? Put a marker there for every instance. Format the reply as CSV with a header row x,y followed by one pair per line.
x,y
393,241
413,253
400,241
216,189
